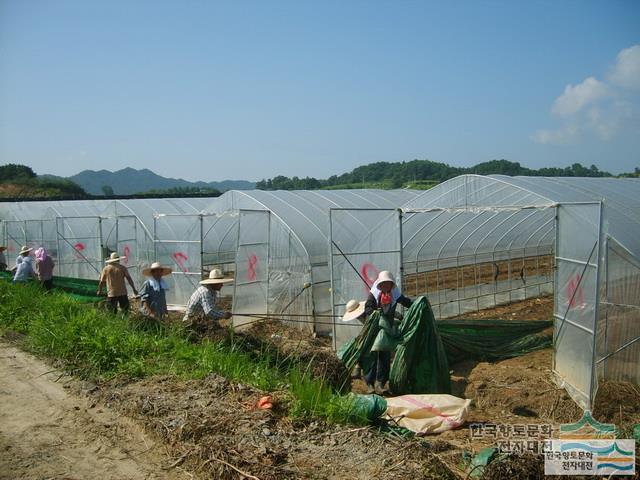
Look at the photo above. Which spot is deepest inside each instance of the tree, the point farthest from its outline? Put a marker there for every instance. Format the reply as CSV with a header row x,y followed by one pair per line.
x,y
107,190
12,171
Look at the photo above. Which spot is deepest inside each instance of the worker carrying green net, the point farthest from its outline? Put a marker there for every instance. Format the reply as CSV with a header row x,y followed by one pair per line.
x,y
427,347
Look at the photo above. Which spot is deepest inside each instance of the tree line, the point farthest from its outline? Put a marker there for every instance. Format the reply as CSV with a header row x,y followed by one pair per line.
x,y
399,174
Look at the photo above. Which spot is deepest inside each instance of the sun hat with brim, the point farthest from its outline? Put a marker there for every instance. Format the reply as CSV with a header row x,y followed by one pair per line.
x,y
215,277
2,249
113,258
25,249
385,276
156,266
354,310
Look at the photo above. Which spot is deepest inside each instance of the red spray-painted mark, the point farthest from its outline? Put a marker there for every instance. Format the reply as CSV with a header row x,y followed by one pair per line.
x,y
79,247
125,257
251,269
369,272
574,292
180,259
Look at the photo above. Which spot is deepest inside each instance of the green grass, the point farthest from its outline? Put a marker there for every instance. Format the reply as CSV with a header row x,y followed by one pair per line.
x,y
96,344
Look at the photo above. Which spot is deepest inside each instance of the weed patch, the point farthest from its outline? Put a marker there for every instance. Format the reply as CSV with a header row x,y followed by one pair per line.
x,y
99,345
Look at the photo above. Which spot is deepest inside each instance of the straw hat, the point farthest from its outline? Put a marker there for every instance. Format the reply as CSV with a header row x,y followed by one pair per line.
x,y
385,276
113,258
216,276
2,249
25,249
354,310
156,266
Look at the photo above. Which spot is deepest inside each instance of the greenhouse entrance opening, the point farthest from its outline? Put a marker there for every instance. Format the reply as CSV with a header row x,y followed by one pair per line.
x,y
469,258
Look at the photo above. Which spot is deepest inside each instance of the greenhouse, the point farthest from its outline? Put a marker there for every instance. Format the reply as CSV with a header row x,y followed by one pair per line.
x,y
473,242
275,243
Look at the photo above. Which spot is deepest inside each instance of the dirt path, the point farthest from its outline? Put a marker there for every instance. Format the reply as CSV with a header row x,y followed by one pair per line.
x,y
48,433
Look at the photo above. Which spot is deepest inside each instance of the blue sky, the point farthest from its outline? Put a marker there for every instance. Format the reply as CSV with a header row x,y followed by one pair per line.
x,y
214,90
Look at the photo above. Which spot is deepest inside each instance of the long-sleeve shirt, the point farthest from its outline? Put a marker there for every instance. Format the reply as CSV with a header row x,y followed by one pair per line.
x,y
45,268
156,299
24,270
203,302
372,304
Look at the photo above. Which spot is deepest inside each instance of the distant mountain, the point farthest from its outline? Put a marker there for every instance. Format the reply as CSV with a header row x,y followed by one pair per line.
x,y
129,181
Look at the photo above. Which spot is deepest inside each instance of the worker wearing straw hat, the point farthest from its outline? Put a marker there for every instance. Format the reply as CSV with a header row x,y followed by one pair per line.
x,y
114,275
203,301
354,315
384,296
153,299
24,266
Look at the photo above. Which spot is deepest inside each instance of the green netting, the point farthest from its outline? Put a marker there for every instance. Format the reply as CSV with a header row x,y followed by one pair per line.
x,y
420,364
81,289
492,339
358,350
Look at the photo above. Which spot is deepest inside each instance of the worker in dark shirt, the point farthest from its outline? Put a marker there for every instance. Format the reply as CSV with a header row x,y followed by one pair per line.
x,y
384,296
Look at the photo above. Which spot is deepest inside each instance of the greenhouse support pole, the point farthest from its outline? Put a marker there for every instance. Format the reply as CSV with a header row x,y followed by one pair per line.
x,y
606,299
555,280
201,245
117,236
596,310
101,244
333,301
401,247
155,238
59,258
235,267
268,258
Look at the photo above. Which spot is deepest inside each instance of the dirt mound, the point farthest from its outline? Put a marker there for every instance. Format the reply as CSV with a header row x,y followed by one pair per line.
x,y
515,388
214,431
292,344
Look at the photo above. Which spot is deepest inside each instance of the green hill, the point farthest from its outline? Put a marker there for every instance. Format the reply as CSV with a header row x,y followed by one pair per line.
x,y
420,174
21,182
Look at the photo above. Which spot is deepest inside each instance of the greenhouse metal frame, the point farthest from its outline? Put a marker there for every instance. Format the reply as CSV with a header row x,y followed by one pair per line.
x,y
595,251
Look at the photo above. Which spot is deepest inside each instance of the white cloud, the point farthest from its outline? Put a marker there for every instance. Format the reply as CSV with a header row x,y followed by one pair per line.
x,y
626,71
561,136
575,98
596,108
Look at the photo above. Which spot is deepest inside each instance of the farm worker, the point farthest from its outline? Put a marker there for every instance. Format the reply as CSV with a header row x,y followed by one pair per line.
x,y
384,297
203,301
24,266
152,293
355,312
114,275
44,267
3,259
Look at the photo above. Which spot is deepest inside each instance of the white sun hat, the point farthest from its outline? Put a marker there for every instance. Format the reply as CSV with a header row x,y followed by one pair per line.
x,y
25,249
385,276
156,266
354,310
113,258
216,276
